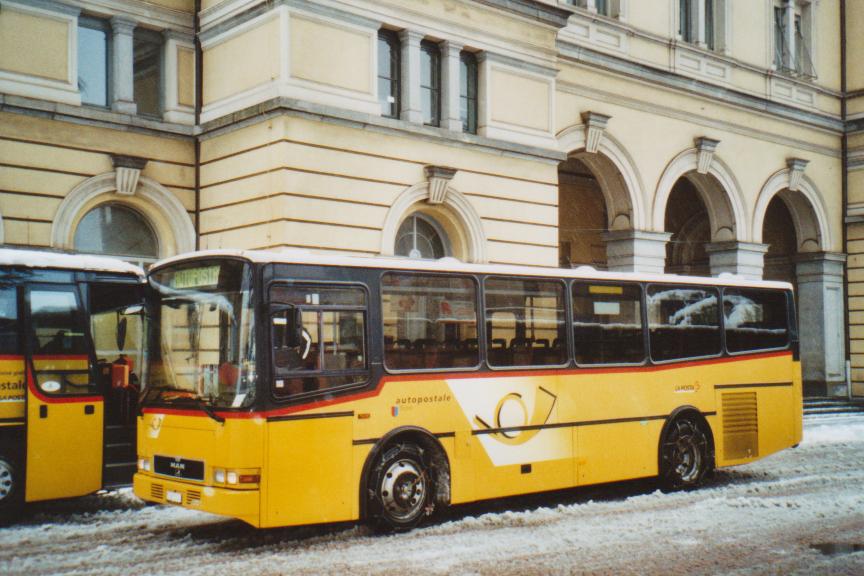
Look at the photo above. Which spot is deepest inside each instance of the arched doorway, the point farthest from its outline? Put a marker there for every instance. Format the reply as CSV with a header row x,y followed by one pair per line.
x,y
582,217
114,229
688,221
793,225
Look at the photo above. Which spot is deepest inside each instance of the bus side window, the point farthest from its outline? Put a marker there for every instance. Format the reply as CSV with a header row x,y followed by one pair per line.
x,y
755,319
330,351
9,343
607,323
429,321
527,316
684,322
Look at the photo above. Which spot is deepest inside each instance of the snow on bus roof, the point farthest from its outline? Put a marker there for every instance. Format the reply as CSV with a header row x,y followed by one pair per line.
x,y
43,259
298,256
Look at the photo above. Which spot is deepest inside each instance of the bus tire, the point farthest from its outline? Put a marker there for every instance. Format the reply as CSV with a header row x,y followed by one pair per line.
x,y
11,488
400,488
685,453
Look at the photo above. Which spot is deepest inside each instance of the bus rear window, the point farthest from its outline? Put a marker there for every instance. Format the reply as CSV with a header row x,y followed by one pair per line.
x,y
755,319
607,323
684,322
429,321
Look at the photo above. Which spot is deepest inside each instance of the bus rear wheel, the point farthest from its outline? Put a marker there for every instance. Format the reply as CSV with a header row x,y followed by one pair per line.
x,y
400,488
11,489
685,454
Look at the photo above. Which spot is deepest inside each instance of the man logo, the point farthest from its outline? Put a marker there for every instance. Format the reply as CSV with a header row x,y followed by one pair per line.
x,y
512,424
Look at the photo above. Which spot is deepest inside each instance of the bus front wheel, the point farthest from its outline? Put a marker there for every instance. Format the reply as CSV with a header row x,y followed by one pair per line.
x,y
11,489
685,454
400,488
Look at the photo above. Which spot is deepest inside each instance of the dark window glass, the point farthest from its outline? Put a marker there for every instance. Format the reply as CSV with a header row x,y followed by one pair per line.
x,y
388,73
684,322
429,321
333,348
525,322
60,352
607,323
755,319
9,342
419,237
602,7
93,53
116,230
430,83
780,49
468,91
148,71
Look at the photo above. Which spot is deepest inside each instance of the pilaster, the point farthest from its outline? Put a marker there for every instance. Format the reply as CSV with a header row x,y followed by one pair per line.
x,y
412,110
122,65
742,258
820,322
450,117
636,251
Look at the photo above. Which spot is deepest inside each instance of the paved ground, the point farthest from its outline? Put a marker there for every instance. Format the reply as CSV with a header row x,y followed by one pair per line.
x,y
770,517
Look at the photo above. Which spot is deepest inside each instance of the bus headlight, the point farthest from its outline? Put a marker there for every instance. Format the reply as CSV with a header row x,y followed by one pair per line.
x,y
144,464
237,477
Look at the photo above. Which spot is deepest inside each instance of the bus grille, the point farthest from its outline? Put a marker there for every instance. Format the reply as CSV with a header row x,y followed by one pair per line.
x,y
193,497
740,425
157,491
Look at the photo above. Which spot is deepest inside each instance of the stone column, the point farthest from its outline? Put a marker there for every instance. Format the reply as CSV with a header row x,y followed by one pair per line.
x,y
820,322
701,19
411,107
591,5
122,66
636,251
742,258
450,64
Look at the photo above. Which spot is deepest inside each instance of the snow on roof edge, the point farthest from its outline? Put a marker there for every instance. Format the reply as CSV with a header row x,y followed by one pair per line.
x,y
299,256
43,259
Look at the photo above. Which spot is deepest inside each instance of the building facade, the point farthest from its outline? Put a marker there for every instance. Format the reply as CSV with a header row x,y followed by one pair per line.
x,y
686,136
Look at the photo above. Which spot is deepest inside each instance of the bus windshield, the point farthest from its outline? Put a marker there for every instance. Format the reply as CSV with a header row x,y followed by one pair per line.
x,y
201,334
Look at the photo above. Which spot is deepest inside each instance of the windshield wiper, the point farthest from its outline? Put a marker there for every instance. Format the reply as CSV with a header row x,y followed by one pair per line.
x,y
205,406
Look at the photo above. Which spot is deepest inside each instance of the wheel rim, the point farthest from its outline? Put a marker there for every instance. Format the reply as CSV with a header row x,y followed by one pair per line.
x,y
403,490
7,482
686,457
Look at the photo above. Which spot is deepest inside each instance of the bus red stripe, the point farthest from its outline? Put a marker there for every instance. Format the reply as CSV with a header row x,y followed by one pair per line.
x,y
466,375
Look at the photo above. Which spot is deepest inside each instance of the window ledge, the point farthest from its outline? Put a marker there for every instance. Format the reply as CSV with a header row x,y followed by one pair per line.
x,y
90,115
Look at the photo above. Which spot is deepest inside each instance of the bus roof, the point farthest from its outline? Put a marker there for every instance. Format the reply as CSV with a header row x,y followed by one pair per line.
x,y
16,258
302,257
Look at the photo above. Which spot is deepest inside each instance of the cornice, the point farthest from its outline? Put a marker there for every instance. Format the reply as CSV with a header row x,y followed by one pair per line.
x,y
667,79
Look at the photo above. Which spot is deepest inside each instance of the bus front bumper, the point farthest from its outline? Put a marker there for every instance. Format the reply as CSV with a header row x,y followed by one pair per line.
x,y
241,504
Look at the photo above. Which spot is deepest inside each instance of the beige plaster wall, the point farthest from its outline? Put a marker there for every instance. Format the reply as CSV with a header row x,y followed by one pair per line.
x,y
282,183
855,44
34,45
42,160
752,145
253,57
331,54
519,100
185,76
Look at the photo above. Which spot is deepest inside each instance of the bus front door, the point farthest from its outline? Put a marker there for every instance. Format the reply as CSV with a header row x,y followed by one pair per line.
x,y
64,410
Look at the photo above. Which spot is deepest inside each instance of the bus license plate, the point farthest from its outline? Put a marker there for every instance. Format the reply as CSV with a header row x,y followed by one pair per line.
x,y
174,496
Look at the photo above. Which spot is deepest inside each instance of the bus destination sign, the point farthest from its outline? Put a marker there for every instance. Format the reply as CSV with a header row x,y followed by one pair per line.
x,y
201,277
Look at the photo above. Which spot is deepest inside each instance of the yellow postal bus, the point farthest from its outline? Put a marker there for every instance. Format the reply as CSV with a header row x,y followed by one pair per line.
x,y
290,388
68,355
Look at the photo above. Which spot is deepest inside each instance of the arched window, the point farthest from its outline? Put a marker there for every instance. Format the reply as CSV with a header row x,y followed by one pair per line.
x,y
116,230
421,237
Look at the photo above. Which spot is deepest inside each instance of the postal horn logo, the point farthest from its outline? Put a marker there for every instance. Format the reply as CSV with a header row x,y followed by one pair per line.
x,y
512,424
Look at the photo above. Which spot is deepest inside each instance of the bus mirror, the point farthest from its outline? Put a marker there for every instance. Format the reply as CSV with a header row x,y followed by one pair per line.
x,y
121,333
288,325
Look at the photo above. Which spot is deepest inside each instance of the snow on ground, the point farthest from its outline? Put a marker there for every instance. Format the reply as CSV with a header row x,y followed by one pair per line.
x,y
765,517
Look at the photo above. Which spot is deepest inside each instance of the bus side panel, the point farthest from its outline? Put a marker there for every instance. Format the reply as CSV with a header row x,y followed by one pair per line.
x,y
64,446
12,390
308,466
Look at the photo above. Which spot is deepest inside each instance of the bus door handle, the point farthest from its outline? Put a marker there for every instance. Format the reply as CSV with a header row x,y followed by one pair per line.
x,y
89,409
43,411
